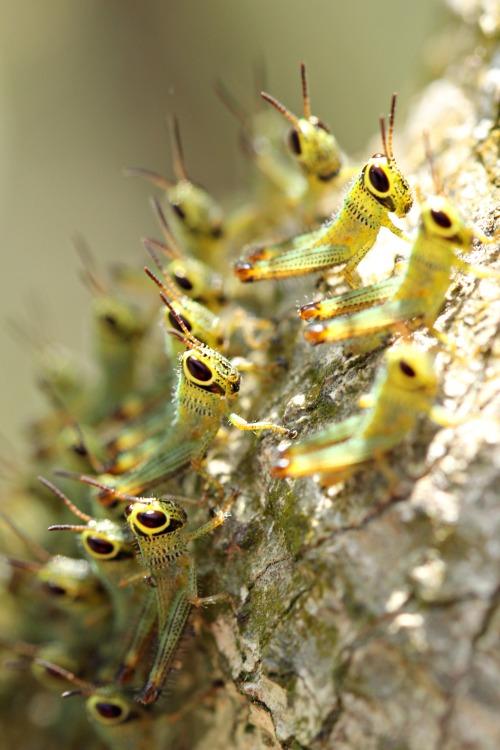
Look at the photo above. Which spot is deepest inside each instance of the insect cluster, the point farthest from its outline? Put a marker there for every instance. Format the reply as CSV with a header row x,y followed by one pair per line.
x,y
127,462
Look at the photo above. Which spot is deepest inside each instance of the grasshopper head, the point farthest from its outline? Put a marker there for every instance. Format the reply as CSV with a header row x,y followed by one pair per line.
x,y
442,221
195,210
152,517
196,280
382,177
409,369
118,323
315,149
310,141
211,371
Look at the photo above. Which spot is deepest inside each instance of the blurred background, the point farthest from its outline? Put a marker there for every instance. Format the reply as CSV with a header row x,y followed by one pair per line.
x,y
84,91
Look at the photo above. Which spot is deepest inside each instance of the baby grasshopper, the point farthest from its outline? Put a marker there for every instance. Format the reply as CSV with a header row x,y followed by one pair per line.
x,y
118,720
198,218
402,391
380,189
120,330
413,300
310,141
192,276
159,528
198,319
111,554
206,381
64,585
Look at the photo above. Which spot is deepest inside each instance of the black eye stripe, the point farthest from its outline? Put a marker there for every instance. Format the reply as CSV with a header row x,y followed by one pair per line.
x,y
152,519
110,320
100,546
175,323
294,142
407,369
322,126
198,369
379,179
179,211
441,218
54,589
109,710
183,282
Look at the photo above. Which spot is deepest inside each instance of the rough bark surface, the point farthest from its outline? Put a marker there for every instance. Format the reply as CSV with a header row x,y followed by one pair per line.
x,y
368,617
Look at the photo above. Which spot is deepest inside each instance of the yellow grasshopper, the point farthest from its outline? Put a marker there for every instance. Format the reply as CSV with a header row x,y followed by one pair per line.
x,y
116,717
310,141
158,525
368,317
380,189
403,390
206,382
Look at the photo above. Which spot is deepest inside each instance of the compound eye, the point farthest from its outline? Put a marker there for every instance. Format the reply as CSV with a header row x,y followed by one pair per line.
x,y
100,546
441,218
324,127
183,282
294,142
128,510
179,211
379,179
217,233
175,323
54,589
108,710
407,369
111,321
199,369
152,519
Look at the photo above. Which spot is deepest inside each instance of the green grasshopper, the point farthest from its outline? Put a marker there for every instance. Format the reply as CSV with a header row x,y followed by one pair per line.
x,y
204,324
118,720
159,528
403,390
65,584
310,141
380,189
198,218
206,381
314,151
415,299
192,276
120,331
110,551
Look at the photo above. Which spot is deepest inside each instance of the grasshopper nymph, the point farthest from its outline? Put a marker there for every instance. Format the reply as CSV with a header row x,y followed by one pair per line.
x,y
159,528
310,141
198,218
412,300
403,390
380,189
206,381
